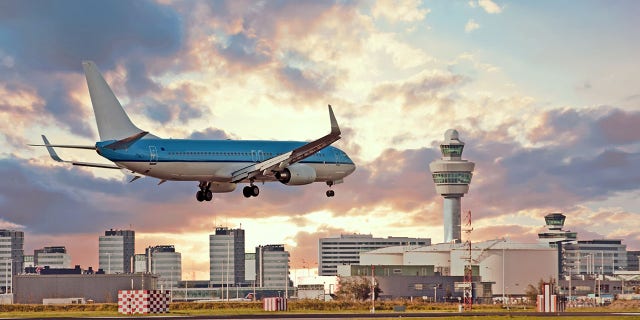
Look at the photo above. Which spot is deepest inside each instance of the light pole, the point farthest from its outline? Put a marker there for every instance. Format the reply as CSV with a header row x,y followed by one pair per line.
x,y
109,265
503,271
435,293
570,274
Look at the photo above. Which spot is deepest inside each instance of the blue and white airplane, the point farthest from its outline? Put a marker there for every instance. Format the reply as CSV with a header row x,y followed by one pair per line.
x,y
218,165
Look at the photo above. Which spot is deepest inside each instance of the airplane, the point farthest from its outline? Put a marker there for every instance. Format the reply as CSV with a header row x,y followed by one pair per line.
x,y
217,165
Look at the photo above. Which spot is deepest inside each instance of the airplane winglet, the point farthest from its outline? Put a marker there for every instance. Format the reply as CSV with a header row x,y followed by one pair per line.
x,y
54,156
334,124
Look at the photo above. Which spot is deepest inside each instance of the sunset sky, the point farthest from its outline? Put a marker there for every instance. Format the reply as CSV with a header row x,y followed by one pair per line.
x,y
545,94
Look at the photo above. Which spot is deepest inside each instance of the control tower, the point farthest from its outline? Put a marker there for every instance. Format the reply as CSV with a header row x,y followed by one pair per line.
x,y
452,176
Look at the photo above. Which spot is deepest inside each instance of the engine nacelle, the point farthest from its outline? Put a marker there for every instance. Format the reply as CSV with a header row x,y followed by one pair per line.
x,y
221,187
296,175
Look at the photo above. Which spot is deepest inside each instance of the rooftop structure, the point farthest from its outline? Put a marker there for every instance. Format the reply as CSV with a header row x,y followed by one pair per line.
x,y
452,177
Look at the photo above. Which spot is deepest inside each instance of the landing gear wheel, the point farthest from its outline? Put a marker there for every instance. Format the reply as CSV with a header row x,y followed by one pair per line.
x,y
208,195
200,196
330,193
255,191
246,191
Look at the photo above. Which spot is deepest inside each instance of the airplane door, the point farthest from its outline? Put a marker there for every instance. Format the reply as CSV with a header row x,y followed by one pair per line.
x,y
337,156
153,155
257,155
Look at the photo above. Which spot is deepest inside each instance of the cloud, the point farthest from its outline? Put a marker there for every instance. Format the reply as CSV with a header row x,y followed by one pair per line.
x,y
471,25
424,89
489,6
57,35
403,11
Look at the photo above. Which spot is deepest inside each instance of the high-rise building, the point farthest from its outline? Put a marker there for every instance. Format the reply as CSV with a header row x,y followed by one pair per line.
x,y
116,250
11,257
272,266
226,257
452,177
54,257
346,249
166,263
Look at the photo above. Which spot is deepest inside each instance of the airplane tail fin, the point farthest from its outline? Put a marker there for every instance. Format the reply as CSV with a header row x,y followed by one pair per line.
x,y
113,122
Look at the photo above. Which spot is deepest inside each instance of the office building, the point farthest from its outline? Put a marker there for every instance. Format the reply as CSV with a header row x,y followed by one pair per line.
x,y
11,257
166,263
54,257
346,249
116,250
633,261
452,177
594,257
226,257
272,267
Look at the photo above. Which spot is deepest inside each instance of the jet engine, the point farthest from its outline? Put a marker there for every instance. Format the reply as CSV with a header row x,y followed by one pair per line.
x,y
296,175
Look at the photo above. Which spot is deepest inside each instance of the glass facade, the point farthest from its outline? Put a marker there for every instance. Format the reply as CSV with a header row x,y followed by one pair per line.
x,y
451,150
452,177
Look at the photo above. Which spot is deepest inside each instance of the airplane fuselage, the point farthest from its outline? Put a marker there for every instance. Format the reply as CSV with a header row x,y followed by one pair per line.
x,y
217,160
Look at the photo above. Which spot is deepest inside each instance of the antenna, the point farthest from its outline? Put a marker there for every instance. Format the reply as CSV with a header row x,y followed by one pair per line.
x,y
468,268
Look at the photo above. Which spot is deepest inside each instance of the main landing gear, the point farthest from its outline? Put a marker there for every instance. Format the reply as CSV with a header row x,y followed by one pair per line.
x,y
205,193
330,193
250,190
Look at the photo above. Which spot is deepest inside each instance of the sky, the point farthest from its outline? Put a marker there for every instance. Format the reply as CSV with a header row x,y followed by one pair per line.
x,y
545,94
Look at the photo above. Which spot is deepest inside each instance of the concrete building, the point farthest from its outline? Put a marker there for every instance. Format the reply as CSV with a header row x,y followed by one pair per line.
x,y
166,263
116,250
11,257
452,177
509,265
272,267
346,249
250,267
594,257
100,288
28,261
140,263
226,257
54,257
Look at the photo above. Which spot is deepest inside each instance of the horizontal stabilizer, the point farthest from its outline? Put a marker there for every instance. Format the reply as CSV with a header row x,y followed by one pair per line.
x,y
54,156
126,142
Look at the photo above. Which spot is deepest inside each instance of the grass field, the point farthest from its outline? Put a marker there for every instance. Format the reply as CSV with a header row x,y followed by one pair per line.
x,y
297,307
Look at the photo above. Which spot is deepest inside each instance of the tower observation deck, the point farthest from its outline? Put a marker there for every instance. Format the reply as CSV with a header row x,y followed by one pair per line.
x,y
452,176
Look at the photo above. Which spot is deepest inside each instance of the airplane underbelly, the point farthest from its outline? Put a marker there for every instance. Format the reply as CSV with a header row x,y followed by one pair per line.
x,y
185,171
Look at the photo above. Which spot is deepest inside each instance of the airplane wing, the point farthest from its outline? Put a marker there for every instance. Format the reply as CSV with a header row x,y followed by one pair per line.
x,y
55,156
282,161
